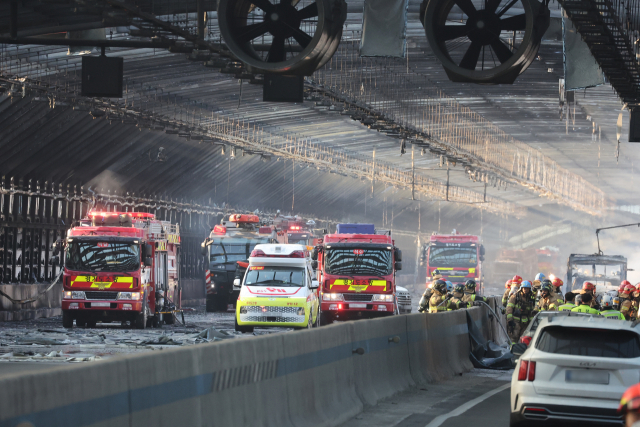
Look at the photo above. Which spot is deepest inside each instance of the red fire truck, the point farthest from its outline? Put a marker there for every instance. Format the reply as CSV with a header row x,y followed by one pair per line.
x,y
356,270
458,257
120,266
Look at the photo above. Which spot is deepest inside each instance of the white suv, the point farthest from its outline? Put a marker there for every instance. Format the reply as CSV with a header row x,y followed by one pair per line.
x,y
575,370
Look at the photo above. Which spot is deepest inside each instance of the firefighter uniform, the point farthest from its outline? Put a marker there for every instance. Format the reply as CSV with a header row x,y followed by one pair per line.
x,y
626,307
505,297
471,297
437,302
520,310
456,303
548,303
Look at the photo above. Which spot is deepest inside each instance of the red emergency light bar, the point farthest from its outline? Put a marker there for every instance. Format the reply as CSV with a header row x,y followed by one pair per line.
x,y
132,214
295,227
220,229
254,219
259,253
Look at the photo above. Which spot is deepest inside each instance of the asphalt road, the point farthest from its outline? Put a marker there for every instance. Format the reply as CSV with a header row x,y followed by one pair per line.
x,y
479,398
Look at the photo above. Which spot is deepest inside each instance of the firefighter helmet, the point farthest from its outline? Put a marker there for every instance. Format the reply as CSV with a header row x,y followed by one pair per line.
x,y
545,287
557,282
449,286
440,286
630,401
508,284
526,284
471,285
588,286
625,282
517,279
459,288
622,287
628,289
540,277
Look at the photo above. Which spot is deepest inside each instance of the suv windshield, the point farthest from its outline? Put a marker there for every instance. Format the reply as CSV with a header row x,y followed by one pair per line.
x,y
589,342
452,257
103,256
275,276
358,261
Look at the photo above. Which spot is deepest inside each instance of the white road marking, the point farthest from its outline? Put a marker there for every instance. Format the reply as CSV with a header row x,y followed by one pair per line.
x,y
437,421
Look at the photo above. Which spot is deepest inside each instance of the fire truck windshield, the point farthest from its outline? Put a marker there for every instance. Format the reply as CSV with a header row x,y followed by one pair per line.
x,y
275,276
452,256
221,253
358,262
103,256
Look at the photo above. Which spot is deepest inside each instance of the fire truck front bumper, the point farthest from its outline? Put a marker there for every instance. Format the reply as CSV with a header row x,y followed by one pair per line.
x,y
84,305
354,310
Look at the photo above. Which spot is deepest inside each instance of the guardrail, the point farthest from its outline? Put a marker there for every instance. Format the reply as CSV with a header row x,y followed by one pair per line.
x,y
320,377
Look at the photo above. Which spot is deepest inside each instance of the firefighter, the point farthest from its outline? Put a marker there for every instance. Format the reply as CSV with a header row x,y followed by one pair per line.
x,y
608,310
630,406
569,297
449,286
557,284
505,296
456,302
537,283
624,294
585,304
590,288
548,301
439,297
519,311
470,293
435,275
517,279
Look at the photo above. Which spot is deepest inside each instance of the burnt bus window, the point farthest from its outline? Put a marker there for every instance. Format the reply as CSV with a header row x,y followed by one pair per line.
x,y
375,262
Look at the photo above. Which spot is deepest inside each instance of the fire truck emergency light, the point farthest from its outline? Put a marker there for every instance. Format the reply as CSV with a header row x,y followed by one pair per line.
x,y
220,229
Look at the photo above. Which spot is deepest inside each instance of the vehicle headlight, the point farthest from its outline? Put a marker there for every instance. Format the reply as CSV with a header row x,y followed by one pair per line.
x,y
74,295
332,297
301,311
130,295
382,298
243,309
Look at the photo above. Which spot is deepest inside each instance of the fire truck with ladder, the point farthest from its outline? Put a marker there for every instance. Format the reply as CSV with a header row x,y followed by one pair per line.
x,y
357,270
120,266
230,243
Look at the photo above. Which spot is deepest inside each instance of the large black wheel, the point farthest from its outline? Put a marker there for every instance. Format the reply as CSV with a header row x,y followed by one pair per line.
x,y
140,321
211,303
91,323
169,319
67,320
484,41
325,319
290,37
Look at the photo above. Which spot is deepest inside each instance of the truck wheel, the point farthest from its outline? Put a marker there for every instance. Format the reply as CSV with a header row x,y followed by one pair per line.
x,y
67,320
221,303
325,319
169,319
243,329
91,323
211,303
81,323
141,319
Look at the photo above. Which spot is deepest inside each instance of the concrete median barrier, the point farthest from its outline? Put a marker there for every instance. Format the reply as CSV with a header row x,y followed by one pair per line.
x,y
320,377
